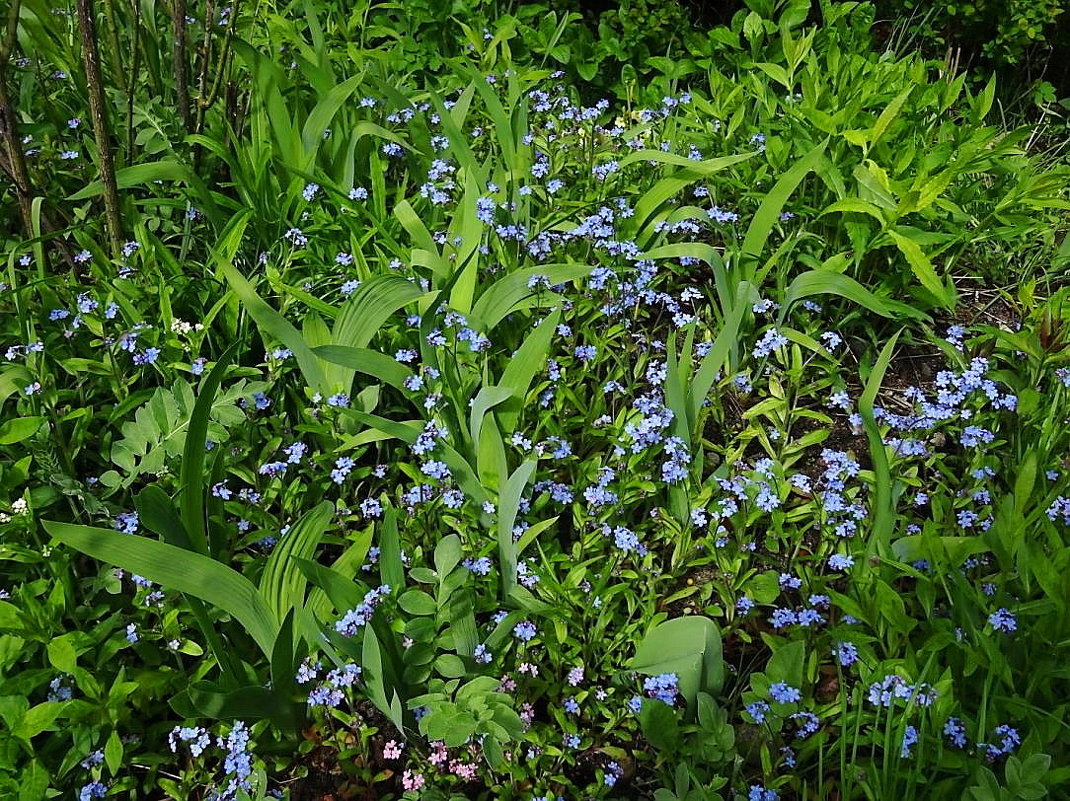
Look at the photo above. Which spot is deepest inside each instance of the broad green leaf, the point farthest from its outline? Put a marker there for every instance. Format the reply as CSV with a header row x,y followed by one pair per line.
x,y
363,360
512,293
826,282
370,306
705,167
715,359
61,654
509,502
884,501
659,725
178,569
140,174
417,602
159,514
888,116
19,429
37,719
192,475
422,238
282,584
320,117
448,554
391,569
275,325
338,588
690,647
485,400
113,753
521,370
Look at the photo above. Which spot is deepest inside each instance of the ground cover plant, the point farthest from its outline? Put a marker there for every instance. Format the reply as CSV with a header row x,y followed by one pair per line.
x,y
416,423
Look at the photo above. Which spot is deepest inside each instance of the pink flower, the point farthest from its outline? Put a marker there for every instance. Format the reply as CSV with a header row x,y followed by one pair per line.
x,y
412,781
392,750
463,770
438,753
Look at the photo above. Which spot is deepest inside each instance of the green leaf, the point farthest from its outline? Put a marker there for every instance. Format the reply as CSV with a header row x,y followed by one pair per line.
x,y
320,117
718,355
177,569
33,782
37,719
786,664
690,647
447,554
362,360
826,282
282,583
19,429
192,476
888,116
274,324
511,292
705,167
391,569
113,753
61,654
658,721
884,502
157,513
521,370
769,211
365,312
509,502
141,174
485,400
375,681
450,666
218,702
418,602
339,589
923,270
421,237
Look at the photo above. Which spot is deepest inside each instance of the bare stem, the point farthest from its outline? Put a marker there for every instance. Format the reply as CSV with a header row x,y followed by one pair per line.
x,y
135,71
179,56
204,55
206,101
15,162
95,85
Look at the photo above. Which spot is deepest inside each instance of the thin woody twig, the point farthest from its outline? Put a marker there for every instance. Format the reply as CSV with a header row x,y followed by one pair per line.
x,y
95,84
16,161
178,13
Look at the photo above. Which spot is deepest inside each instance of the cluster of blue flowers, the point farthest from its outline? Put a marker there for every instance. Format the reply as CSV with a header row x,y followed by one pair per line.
x,y
355,619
